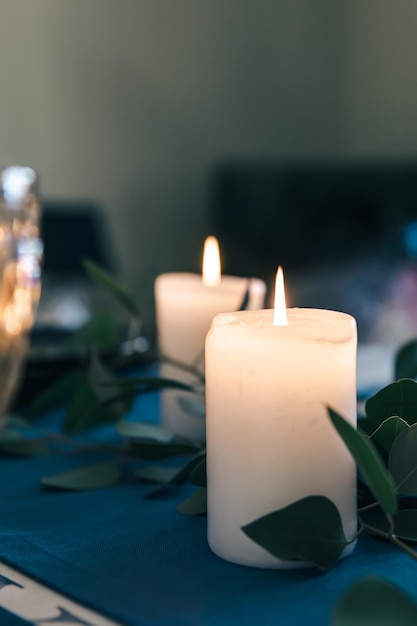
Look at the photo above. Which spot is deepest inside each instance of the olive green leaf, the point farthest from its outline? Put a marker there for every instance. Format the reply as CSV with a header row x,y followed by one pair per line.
x,y
307,530
369,462
399,398
198,476
56,395
373,601
406,361
387,432
96,399
144,430
166,475
96,476
104,279
366,425
402,462
196,504
101,331
83,410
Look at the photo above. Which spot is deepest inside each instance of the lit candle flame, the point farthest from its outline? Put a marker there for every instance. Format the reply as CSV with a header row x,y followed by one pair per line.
x,y
211,263
280,306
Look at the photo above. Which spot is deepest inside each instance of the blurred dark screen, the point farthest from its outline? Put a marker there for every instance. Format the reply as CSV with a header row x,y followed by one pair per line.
x,y
345,233
73,231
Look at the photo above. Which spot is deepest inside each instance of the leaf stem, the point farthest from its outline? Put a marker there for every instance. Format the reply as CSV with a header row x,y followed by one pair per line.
x,y
191,369
368,507
390,536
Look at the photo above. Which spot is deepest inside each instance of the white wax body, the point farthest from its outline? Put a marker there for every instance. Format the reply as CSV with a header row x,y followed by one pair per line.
x,y
184,311
270,441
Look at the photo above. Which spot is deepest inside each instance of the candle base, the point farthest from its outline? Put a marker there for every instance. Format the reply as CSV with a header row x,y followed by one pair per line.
x,y
265,560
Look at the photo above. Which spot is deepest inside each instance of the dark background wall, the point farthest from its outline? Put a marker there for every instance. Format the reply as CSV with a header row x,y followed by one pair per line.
x,y
131,102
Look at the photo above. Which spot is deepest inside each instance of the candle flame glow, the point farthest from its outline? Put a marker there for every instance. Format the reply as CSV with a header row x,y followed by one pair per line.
x,y
280,306
211,263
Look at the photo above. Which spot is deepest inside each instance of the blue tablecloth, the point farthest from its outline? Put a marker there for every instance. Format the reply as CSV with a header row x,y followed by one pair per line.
x,y
141,562
8,619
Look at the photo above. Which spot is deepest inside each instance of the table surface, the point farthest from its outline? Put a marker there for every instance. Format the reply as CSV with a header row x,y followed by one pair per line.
x,y
135,561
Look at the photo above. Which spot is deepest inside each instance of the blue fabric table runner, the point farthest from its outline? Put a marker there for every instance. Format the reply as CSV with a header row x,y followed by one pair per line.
x,y
138,561
8,619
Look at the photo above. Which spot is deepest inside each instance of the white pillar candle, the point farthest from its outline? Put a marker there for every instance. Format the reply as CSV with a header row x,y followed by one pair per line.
x,y
270,441
185,308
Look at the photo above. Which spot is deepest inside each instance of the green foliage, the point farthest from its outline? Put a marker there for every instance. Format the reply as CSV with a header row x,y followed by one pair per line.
x,y
144,430
403,462
196,504
56,395
96,476
386,433
405,365
372,601
103,278
307,530
399,398
404,523
167,475
369,462
198,476
100,331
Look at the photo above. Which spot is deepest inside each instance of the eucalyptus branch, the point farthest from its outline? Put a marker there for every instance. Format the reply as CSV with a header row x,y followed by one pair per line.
x,y
401,544
368,507
389,535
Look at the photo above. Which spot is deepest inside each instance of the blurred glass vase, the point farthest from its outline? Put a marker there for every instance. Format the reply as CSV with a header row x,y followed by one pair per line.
x,y
21,252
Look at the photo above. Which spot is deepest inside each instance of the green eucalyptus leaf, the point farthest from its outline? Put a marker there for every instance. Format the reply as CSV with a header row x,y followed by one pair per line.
x,y
405,524
144,430
166,475
153,450
406,361
192,406
307,530
158,473
83,400
101,330
94,402
369,462
100,378
366,425
198,476
196,504
399,398
104,279
372,601
387,432
402,462
102,384
96,476
148,384
12,443
55,395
